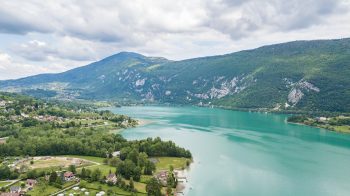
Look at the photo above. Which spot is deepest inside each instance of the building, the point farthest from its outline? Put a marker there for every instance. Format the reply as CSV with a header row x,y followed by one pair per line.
x,y
31,182
111,178
116,154
162,177
321,119
68,176
15,189
2,103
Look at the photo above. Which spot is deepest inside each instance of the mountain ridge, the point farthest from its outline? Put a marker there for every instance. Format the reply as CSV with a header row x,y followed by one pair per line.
x,y
303,75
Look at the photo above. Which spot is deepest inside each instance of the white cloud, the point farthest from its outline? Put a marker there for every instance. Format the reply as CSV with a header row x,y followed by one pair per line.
x,y
63,48
84,31
10,69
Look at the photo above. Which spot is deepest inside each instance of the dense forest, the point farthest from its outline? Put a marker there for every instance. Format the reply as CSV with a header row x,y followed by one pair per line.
x,y
35,127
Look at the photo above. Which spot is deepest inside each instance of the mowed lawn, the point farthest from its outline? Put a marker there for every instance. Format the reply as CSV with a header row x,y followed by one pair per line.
x,y
95,187
165,162
104,169
45,189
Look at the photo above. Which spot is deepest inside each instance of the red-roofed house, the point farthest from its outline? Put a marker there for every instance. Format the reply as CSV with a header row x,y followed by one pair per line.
x,y
68,176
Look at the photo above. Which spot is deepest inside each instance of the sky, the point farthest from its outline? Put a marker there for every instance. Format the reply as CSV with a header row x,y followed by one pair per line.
x,y
50,36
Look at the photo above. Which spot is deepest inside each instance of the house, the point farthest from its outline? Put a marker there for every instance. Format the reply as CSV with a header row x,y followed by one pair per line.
x,y
31,182
116,154
162,177
321,119
68,176
111,178
24,115
2,103
15,189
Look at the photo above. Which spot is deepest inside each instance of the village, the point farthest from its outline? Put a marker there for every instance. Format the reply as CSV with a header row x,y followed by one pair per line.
x,y
54,148
62,176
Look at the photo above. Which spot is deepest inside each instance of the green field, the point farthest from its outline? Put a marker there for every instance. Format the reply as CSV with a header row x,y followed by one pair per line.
x,y
104,169
96,187
4,183
44,189
165,162
343,129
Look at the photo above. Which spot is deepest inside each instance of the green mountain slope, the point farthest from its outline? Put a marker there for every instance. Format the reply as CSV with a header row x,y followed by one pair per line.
x,y
300,75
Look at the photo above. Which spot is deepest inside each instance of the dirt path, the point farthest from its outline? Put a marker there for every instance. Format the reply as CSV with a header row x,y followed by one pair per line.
x,y
58,192
11,182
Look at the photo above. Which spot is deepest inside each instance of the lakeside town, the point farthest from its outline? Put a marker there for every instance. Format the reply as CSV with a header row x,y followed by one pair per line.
x,y
68,176
53,148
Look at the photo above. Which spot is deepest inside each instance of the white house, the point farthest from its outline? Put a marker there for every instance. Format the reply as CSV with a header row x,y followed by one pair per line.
x,y
116,154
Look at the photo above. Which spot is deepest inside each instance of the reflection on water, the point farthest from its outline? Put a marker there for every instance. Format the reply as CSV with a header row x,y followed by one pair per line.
x,y
241,153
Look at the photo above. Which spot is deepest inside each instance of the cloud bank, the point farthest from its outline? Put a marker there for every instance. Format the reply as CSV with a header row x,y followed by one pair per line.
x,y
58,35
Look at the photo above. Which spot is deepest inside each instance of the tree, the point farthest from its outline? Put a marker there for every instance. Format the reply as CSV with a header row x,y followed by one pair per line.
x,y
150,167
133,155
53,177
83,173
153,187
131,184
96,175
32,174
59,181
142,159
23,168
169,190
72,168
126,168
114,161
110,192
137,173
171,180
188,162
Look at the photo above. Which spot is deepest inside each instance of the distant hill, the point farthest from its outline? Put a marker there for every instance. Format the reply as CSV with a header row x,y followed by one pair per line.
x,y
299,75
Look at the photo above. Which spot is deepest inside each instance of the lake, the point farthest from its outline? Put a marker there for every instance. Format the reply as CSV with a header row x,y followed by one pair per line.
x,y
243,153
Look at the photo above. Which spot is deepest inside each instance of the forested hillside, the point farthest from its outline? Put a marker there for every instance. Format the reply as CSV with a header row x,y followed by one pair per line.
x,y
300,75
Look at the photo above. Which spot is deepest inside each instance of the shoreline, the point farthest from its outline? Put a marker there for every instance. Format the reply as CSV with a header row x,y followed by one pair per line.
x,y
143,122
140,123
183,182
319,127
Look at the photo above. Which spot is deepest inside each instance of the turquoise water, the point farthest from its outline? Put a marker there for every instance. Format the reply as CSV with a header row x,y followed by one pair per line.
x,y
242,153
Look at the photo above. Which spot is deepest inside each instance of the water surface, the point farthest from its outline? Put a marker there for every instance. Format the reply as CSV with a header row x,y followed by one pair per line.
x,y
242,153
